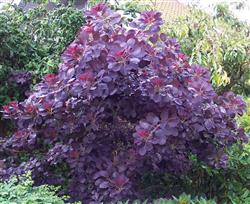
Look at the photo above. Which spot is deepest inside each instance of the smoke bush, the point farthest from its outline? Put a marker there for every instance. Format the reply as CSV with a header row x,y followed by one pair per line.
x,y
124,102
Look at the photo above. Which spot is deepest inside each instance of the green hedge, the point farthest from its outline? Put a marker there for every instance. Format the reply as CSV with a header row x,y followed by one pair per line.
x,y
33,41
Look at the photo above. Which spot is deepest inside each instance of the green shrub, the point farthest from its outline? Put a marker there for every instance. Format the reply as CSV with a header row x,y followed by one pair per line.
x,y
236,178
33,41
221,43
20,190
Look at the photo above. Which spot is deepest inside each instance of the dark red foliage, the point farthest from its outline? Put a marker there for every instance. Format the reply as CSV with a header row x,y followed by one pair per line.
x,y
125,102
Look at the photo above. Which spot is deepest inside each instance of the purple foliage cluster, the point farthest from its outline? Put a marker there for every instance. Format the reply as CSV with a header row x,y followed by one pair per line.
x,y
20,78
125,102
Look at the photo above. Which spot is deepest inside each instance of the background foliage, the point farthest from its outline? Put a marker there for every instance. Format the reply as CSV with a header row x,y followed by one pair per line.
x,y
221,43
32,42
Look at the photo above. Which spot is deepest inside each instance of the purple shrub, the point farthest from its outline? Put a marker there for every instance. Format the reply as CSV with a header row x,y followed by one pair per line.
x,y
124,102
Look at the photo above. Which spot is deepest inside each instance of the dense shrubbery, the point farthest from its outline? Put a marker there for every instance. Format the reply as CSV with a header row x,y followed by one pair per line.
x,y
31,43
221,43
125,104
20,190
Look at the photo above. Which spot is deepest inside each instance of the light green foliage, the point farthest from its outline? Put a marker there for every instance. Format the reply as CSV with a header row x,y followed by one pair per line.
x,y
182,199
223,12
221,43
33,41
20,190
